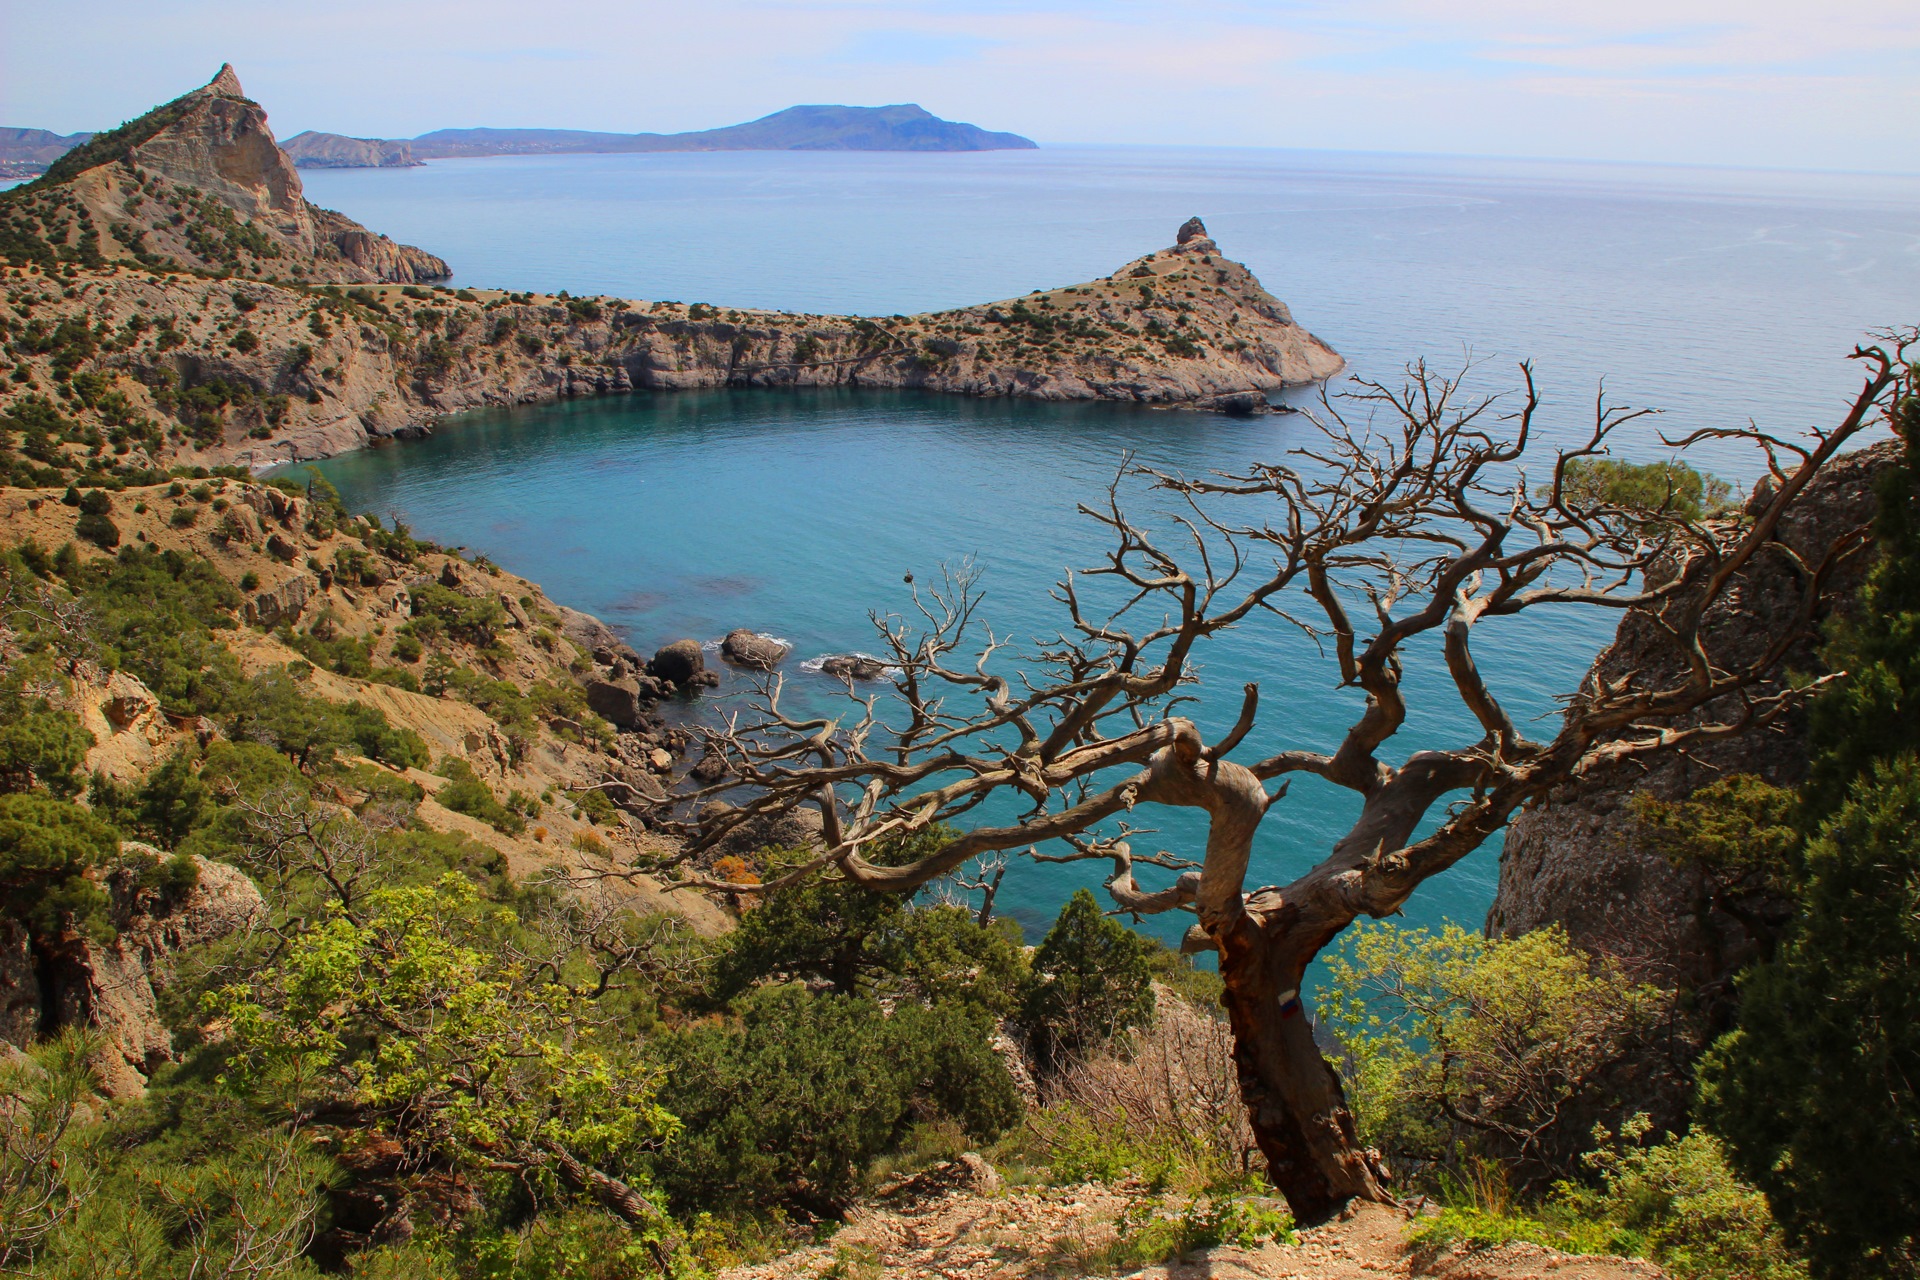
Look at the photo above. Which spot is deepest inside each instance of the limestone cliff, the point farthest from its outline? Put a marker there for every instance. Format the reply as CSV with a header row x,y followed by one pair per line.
x,y
198,183
1579,860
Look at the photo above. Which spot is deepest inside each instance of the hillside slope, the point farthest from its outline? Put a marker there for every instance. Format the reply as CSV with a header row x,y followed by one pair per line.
x,y
196,184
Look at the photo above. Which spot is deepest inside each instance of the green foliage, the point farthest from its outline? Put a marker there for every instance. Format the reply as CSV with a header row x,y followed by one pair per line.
x,y
466,793
401,1005
39,746
1814,1091
1676,1202
45,1176
1091,980
47,849
1466,1047
1671,488
309,730
859,942
791,1099
154,614
1740,828
473,619
1148,1234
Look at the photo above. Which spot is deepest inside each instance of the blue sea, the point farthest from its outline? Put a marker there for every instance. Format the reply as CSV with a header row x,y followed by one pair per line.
x,y
1717,296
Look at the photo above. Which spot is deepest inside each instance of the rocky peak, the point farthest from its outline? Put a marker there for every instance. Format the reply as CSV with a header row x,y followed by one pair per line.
x,y
208,155
1191,229
225,84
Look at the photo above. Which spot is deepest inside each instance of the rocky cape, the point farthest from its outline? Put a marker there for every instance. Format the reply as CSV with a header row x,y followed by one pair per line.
x,y
199,289
196,185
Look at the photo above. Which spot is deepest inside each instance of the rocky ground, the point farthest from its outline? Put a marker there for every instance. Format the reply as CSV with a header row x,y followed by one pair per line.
x,y
961,1221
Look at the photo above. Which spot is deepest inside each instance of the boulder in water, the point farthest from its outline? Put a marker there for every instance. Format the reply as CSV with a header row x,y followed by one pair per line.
x,y
680,663
750,649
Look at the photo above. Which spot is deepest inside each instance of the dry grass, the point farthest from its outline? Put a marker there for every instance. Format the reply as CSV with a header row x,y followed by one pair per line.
x,y
1170,1087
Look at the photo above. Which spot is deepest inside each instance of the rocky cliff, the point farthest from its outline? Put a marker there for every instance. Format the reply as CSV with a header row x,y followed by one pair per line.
x,y
197,184
1580,860
312,150
114,986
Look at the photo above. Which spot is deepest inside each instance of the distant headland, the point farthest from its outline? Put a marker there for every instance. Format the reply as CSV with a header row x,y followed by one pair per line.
x,y
26,153
190,304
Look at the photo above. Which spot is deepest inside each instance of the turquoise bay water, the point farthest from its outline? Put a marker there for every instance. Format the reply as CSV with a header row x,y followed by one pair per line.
x,y
1718,296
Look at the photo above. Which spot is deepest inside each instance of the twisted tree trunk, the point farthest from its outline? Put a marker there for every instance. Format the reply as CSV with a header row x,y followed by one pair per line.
x,y
1294,1100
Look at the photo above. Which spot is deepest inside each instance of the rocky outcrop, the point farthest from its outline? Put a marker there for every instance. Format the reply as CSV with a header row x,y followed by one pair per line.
x,y
750,649
311,150
680,664
114,987
1579,860
200,183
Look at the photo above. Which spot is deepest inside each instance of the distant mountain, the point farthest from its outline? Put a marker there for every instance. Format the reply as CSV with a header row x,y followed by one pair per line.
x,y
26,153
312,150
37,146
903,127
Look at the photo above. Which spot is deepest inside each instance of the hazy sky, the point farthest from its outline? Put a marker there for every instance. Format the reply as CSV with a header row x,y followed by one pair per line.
x,y
1751,82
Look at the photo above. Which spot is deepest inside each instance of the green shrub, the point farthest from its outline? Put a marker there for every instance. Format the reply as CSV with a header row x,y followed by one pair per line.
x,y
1814,1091
473,619
309,730
1465,1047
1672,487
1676,1202
40,747
47,848
1090,982
791,1100
466,793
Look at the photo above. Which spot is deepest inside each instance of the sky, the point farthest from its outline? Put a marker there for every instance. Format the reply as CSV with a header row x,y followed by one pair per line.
x,y
1759,83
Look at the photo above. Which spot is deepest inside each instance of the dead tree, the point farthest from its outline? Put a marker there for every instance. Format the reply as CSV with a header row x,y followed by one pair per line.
x,y
1412,520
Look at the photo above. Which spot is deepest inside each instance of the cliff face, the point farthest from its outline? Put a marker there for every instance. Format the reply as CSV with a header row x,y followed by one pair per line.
x,y
318,374
312,150
1579,861
115,987
198,183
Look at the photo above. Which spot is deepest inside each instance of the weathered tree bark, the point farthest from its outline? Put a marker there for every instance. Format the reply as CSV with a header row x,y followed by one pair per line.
x,y
1294,1100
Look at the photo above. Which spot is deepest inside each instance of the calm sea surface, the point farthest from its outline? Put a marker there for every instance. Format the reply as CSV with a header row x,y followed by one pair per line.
x,y
1717,296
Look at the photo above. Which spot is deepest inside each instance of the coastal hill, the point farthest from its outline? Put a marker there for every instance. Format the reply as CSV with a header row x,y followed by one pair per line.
x,y
902,127
312,150
175,264
26,153
196,184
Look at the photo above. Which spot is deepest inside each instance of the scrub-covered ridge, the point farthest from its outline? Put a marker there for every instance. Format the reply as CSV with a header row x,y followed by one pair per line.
x,y
171,297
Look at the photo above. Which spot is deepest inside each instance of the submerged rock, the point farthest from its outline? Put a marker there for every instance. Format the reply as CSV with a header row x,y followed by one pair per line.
x,y
853,666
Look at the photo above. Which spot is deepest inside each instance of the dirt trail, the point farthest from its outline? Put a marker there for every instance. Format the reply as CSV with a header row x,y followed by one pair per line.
x,y
958,1222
